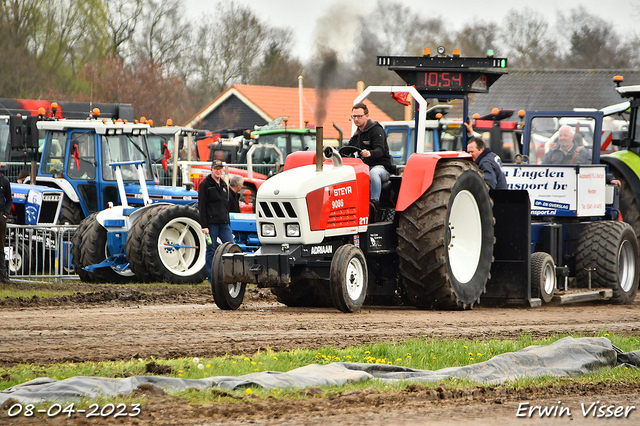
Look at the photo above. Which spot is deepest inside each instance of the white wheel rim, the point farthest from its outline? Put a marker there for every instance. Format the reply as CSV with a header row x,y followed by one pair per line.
x,y
354,279
549,279
465,228
16,263
234,289
626,266
126,273
182,231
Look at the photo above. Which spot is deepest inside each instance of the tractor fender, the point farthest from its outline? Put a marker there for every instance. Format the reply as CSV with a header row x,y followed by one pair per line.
x,y
628,164
418,175
62,184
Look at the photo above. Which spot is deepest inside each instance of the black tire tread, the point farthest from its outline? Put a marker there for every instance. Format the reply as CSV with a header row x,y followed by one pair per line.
x,y
70,212
538,259
598,248
421,242
133,245
336,286
218,288
92,247
76,249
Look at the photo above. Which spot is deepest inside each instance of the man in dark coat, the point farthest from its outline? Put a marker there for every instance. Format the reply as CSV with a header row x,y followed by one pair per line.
x,y
488,162
567,151
213,202
235,184
372,140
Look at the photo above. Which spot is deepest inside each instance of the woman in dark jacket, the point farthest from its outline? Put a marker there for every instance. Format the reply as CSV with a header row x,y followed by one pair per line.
x,y
213,202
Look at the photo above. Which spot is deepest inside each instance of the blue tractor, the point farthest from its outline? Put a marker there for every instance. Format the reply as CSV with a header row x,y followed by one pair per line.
x,y
74,156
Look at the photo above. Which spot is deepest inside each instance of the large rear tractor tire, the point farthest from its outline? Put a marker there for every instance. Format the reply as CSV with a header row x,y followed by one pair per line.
x,y
543,275
227,296
445,239
348,278
173,246
70,213
133,245
610,250
76,250
90,248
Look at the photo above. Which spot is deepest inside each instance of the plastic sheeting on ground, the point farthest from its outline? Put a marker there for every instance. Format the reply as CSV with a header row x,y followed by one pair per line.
x,y
566,357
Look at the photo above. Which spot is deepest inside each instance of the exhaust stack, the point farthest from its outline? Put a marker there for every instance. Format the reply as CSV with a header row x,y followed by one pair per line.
x,y
319,145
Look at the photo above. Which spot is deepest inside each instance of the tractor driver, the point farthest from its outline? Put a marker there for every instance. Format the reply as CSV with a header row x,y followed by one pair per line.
x,y
567,151
372,140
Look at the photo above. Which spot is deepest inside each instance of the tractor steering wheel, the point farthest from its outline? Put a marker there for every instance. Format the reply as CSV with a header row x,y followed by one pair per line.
x,y
349,151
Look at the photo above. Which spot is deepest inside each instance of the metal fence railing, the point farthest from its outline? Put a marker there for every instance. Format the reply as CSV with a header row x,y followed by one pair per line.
x,y
12,169
40,252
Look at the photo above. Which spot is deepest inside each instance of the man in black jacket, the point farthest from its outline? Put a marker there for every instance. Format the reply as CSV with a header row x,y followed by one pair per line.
x,y
488,162
6,202
213,202
372,140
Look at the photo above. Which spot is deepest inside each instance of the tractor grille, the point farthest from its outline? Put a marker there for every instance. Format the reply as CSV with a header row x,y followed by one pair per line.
x,y
277,209
342,218
49,208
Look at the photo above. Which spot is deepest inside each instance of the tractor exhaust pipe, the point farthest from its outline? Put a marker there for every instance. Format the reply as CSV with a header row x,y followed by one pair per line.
x,y
319,145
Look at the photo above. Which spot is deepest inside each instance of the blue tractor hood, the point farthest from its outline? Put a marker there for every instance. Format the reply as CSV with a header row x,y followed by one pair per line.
x,y
160,194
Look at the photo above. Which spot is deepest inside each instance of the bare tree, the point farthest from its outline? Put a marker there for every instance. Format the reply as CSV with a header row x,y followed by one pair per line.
x,y
232,51
165,35
478,38
278,68
593,43
527,40
122,22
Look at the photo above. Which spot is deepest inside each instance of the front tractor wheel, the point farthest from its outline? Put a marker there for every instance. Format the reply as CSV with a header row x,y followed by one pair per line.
x,y
173,246
445,239
227,296
543,275
348,278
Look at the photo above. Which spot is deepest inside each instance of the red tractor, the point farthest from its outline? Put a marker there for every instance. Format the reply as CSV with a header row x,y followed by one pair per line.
x,y
319,248
430,244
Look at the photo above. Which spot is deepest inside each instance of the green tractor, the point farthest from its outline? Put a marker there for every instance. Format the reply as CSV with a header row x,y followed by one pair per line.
x,y
624,163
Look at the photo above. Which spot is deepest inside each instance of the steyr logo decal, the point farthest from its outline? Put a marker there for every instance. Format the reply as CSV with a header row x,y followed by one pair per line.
x,y
322,250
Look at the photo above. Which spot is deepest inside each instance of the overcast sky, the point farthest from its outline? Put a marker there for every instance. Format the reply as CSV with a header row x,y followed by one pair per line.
x,y
302,15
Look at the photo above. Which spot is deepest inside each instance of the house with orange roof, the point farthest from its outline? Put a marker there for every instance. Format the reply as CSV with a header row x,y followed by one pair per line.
x,y
244,106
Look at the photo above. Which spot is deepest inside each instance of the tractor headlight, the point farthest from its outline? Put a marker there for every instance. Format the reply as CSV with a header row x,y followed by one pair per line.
x,y
293,230
268,230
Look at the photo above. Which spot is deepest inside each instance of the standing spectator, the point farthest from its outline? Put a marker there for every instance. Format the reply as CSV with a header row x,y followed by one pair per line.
x,y
6,202
235,183
213,202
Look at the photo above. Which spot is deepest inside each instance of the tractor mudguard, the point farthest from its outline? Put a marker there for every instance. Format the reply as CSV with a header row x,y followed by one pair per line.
x,y
418,175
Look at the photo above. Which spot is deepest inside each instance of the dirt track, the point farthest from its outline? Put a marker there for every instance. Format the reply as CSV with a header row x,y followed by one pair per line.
x,y
106,326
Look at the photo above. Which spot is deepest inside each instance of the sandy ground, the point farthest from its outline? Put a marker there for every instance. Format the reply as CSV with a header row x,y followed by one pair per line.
x,y
108,324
